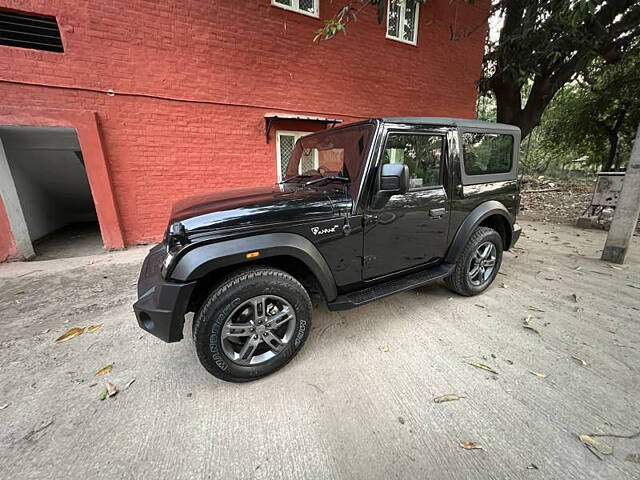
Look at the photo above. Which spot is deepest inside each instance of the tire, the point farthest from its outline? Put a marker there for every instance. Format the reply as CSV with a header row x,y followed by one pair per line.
x,y
460,281
236,301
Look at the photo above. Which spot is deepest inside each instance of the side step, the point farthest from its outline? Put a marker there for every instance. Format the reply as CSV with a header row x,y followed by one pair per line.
x,y
400,284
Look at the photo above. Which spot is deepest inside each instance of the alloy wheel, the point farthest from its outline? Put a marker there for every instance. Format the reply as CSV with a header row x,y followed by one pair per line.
x,y
258,329
482,264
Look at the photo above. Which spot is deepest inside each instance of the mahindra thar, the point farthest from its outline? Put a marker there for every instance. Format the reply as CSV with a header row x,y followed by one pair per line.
x,y
363,211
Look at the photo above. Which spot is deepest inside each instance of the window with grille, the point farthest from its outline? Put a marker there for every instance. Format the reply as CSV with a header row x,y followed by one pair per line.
x,y
402,20
29,31
284,145
306,7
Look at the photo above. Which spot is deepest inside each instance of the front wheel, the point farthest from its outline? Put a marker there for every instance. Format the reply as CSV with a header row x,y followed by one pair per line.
x,y
478,263
252,324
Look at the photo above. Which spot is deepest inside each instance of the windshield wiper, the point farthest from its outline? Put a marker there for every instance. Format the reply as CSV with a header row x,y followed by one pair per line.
x,y
337,178
297,176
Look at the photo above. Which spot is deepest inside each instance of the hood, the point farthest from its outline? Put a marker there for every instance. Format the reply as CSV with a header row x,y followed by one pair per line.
x,y
252,206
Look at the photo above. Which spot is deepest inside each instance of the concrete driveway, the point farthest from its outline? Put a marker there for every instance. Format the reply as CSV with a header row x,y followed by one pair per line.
x,y
356,403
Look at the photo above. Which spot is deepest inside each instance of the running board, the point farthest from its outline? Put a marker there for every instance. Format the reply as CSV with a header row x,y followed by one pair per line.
x,y
400,284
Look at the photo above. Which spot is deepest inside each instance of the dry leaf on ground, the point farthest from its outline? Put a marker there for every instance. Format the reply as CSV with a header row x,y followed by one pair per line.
x,y
578,359
633,457
483,367
535,309
69,334
447,398
129,383
471,446
104,370
93,328
599,445
529,327
109,391
3,406
538,374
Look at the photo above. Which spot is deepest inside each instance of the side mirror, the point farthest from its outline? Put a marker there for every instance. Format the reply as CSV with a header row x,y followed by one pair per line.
x,y
394,180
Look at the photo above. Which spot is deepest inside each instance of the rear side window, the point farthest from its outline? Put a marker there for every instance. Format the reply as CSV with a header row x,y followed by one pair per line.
x,y
487,153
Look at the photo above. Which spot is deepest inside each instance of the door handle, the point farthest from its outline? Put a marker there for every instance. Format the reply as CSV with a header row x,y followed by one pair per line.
x,y
437,212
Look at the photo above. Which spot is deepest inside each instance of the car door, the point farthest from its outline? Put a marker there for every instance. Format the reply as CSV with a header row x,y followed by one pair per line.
x,y
410,229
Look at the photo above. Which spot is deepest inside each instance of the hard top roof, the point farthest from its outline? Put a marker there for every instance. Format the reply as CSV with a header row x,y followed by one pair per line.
x,y
451,122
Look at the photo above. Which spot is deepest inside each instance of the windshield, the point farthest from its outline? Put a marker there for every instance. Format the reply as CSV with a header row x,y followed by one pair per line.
x,y
337,152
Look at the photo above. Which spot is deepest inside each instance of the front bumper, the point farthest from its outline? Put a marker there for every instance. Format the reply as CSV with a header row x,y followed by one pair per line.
x,y
515,235
161,305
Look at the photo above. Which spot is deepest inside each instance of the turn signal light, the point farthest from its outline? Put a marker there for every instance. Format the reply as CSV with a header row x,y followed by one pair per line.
x,y
252,255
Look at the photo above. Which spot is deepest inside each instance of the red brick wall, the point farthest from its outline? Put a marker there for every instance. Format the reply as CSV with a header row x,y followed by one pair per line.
x,y
246,58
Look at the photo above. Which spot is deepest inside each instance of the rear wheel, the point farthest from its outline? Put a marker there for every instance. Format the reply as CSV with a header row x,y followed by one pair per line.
x,y
252,324
478,263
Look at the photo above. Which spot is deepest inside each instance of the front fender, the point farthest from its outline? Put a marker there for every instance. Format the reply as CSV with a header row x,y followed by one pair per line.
x,y
204,259
475,218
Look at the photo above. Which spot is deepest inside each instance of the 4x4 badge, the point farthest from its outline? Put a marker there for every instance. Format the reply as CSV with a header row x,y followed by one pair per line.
x,y
323,231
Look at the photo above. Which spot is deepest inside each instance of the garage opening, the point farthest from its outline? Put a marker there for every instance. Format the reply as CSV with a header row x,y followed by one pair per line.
x,y
48,177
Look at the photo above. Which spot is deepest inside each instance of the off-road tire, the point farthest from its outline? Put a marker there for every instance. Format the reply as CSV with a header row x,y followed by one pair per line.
x,y
459,280
232,291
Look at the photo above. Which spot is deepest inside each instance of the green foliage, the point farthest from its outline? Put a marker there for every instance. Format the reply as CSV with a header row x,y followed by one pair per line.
x,y
595,118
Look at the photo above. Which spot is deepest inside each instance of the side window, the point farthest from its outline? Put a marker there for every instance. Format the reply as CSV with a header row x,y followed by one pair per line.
x,y
422,153
487,153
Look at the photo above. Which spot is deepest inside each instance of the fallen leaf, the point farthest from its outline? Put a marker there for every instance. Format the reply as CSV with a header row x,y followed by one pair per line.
x,y
532,466
46,330
69,334
471,446
581,361
3,406
484,367
480,306
93,328
526,320
535,309
129,383
383,348
109,391
538,374
633,457
618,267
450,397
104,370
599,445
529,327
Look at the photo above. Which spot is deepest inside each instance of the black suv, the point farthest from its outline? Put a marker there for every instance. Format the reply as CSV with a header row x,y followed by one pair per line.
x,y
364,211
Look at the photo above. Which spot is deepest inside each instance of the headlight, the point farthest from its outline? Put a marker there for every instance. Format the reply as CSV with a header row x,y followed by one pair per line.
x,y
175,240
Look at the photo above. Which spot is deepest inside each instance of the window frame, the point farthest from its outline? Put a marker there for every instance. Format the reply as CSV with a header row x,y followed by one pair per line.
x,y
469,179
403,12
297,134
292,8
443,160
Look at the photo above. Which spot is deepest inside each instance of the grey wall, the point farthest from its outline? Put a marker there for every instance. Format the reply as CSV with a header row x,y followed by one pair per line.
x,y
50,179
